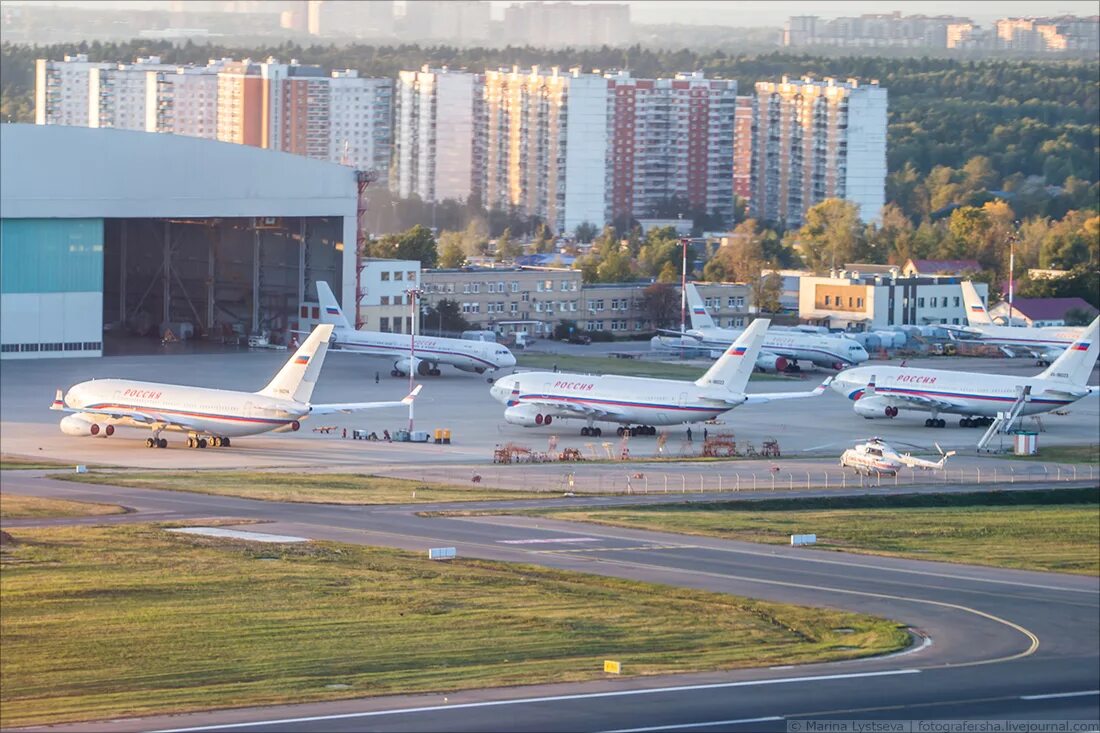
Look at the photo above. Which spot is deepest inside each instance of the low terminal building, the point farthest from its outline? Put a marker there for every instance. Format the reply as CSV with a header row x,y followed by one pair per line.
x,y
865,301
107,232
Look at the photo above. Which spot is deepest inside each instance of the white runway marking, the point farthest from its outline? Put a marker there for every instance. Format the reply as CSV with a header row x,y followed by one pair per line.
x,y
236,534
1052,696
685,726
554,698
548,541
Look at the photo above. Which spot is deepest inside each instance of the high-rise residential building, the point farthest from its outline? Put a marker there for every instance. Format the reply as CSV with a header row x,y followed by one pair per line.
x,y
184,100
1049,34
61,90
871,29
351,18
545,142
461,22
435,115
117,93
671,142
814,140
742,147
292,107
548,25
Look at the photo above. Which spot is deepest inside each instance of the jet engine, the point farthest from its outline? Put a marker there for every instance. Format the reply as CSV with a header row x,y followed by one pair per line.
x,y
766,362
468,368
526,415
82,424
290,427
872,407
403,365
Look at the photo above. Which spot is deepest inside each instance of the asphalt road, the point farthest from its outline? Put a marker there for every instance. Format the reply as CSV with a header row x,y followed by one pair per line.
x,y
997,643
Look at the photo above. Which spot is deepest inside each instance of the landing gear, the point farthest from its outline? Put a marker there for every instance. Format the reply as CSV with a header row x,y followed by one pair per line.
x,y
395,373
593,432
216,441
636,431
156,443
434,372
975,422
792,369
935,423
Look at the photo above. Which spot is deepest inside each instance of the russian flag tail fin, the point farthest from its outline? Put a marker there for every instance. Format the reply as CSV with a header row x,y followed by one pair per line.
x,y
330,309
732,370
1076,363
295,381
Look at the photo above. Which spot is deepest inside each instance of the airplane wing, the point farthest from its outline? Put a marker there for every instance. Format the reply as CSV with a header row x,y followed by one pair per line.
x,y
574,409
921,401
349,407
689,334
758,398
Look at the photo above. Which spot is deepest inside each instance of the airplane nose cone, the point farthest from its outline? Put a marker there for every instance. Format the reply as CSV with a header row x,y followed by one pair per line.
x,y
508,361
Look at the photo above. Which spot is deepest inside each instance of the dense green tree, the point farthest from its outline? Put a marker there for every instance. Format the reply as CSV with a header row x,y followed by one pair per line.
x,y
831,235
661,304
451,253
585,232
444,317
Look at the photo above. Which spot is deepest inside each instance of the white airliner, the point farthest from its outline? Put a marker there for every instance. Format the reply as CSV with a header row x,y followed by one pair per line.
x,y
782,349
462,354
882,391
208,416
1045,343
537,398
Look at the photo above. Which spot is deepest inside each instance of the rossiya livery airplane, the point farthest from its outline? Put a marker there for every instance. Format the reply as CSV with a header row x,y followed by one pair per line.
x,y
537,398
463,354
210,417
881,391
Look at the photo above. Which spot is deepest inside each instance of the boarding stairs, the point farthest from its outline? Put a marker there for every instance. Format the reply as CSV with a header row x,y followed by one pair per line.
x,y
1005,420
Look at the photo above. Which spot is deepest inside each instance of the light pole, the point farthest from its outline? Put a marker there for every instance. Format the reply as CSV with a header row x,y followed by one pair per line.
x,y
413,295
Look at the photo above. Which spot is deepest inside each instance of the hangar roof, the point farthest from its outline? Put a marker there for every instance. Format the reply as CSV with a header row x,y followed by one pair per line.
x,y
53,171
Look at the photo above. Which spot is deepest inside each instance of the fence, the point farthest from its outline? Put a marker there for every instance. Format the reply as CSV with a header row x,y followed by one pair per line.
x,y
613,479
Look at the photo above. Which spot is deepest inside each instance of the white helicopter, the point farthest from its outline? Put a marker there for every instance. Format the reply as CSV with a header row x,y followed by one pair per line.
x,y
877,457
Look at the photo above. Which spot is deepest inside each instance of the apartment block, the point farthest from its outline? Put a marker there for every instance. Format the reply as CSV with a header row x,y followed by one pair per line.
x,y
814,140
742,147
1049,34
436,113
461,22
875,30
184,100
671,140
545,145
292,107
61,90
549,25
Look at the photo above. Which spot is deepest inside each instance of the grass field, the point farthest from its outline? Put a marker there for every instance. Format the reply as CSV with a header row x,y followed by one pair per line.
x,y
1065,454
1034,530
16,506
100,622
320,488
625,367
9,463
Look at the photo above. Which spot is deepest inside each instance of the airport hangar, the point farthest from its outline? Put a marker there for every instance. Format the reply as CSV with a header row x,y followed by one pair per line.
x,y
104,232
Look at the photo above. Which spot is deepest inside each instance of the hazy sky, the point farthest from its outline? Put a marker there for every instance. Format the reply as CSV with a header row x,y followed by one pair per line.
x,y
749,12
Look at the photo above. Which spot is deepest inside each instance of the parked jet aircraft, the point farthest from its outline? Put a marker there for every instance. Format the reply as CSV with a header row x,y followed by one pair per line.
x,y
881,391
782,349
537,398
208,416
431,351
1044,343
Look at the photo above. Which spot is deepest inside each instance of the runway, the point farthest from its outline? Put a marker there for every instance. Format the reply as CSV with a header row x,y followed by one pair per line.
x,y
1003,643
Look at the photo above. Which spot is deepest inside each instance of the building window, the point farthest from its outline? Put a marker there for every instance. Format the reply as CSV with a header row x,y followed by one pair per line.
x,y
500,287
398,276
525,296
385,277
548,285
920,302
564,285
384,325
492,287
828,300
411,276
859,302
955,320
384,300
476,288
513,307
396,325
956,301
466,287
515,286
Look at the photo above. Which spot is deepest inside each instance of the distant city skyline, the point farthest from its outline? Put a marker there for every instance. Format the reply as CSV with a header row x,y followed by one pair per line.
x,y
734,13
